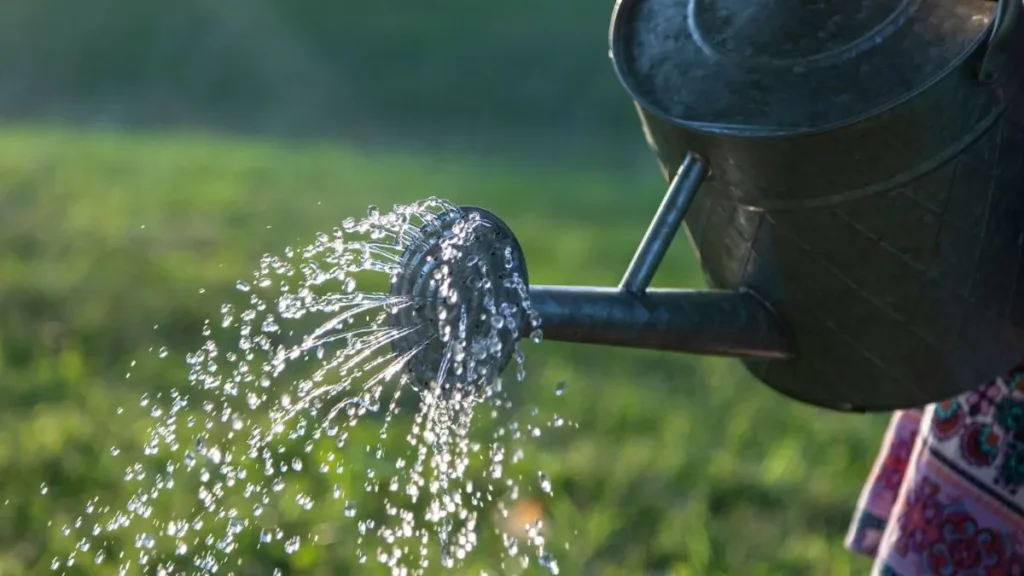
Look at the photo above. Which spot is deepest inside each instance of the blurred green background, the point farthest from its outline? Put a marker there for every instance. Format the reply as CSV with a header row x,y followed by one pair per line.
x,y
152,151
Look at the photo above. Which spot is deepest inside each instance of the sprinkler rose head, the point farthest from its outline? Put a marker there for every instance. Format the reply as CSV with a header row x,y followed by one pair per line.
x,y
459,301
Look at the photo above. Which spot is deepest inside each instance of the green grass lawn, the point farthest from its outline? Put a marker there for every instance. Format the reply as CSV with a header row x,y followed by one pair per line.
x,y
112,246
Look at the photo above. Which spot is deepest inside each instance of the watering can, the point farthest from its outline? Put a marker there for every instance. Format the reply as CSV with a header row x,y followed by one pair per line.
x,y
851,175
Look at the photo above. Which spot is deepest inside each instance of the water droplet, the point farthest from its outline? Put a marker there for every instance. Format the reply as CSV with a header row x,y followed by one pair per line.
x,y
545,483
548,561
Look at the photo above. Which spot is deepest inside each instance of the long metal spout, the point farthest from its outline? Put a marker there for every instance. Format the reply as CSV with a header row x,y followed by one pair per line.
x,y
461,301
712,322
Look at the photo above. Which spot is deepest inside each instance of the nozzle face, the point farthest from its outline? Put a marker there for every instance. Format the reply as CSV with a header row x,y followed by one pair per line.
x,y
459,302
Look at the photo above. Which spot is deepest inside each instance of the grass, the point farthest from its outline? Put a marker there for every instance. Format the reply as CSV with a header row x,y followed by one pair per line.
x,y
680,465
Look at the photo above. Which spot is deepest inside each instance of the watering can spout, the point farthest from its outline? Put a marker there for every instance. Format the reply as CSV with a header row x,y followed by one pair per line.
x,y
491,275
712,322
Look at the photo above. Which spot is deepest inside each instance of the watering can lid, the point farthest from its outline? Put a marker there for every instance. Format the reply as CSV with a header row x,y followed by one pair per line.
x,y
786,66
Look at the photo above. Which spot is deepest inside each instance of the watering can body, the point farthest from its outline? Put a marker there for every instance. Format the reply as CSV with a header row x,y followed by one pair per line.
x,y
866,184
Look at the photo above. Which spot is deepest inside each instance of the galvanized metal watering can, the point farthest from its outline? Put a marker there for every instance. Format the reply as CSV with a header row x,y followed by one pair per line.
x,y
851,174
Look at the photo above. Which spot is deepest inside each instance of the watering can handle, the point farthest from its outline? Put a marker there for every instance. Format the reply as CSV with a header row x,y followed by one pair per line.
x,y
1004,26
666,223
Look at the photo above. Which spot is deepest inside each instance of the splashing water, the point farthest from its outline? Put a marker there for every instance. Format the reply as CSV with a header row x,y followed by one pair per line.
x,y
226,454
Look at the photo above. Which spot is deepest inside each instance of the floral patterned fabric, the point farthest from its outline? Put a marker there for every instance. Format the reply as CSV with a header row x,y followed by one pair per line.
x,y
946,496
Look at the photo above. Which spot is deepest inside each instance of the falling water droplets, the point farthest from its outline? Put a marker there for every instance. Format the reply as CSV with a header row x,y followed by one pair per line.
x,y
268,420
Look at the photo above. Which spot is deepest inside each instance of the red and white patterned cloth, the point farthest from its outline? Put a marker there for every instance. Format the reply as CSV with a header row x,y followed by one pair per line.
x,y
946,496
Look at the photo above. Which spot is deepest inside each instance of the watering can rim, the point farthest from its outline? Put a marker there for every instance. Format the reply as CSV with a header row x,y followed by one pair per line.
x,y
1005,17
